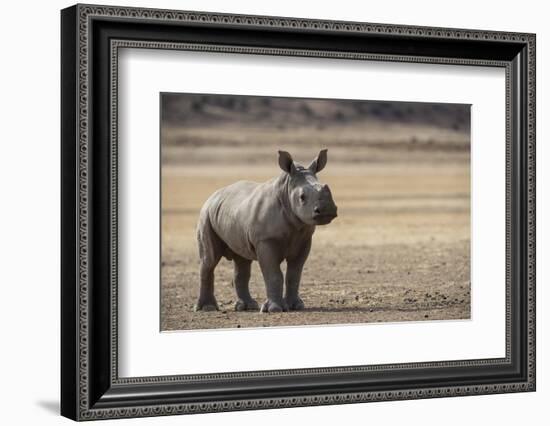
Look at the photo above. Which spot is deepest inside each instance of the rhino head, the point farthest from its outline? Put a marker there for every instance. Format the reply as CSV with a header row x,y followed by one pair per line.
x,y
310,200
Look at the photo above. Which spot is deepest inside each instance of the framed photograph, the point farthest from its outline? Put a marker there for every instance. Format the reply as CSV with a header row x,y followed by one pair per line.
x,y
263,212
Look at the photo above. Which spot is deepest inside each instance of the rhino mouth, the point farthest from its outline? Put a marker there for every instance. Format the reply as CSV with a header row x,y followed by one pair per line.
x,y
324,219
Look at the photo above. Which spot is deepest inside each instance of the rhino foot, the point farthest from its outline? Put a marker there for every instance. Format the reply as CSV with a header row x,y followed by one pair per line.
x,y
272,307
248,305
295,304
206,306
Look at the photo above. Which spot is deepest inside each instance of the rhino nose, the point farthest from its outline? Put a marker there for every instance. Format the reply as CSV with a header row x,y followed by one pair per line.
x,y
327,211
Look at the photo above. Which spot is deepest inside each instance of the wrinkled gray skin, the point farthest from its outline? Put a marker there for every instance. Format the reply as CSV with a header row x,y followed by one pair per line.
x,y
268,222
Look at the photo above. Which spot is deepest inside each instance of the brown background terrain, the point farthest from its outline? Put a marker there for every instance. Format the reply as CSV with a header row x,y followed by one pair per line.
x,y
399,173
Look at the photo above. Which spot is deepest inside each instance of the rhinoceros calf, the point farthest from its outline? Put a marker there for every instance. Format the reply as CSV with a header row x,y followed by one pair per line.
x,y
268,222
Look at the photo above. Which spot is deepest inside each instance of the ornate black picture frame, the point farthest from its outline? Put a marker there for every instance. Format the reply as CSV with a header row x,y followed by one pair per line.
x,y
90,385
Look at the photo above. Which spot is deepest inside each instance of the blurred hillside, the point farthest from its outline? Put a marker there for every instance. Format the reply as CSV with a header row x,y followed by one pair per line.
x,y
215,129
219,110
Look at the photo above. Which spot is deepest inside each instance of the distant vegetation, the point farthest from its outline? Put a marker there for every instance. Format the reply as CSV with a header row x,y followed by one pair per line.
x,y
195,110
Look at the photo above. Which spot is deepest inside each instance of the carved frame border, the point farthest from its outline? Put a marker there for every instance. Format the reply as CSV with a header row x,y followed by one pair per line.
x,y
85,14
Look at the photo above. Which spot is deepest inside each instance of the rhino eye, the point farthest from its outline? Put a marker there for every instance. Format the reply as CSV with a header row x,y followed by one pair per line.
x,y
302,197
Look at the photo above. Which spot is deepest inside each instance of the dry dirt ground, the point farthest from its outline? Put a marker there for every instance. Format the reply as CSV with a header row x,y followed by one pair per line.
x,y
399,250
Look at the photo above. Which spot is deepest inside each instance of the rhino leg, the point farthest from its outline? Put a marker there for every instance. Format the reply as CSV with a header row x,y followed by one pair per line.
x,y
210,251
293,277
270,260
207,301
241,278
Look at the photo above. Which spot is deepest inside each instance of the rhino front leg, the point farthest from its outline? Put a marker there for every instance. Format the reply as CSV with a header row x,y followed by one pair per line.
x,y
293,277
270,260
241,278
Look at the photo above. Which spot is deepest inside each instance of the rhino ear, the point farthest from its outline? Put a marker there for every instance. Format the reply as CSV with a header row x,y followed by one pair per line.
x,y
285,161
320,162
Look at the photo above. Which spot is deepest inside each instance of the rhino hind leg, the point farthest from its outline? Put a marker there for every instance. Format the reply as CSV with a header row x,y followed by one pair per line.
x,y
211,248
241,278
207,301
